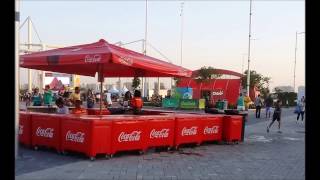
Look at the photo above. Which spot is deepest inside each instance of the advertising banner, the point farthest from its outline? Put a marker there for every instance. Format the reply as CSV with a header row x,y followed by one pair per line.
x,y
185,93
170,103
188,103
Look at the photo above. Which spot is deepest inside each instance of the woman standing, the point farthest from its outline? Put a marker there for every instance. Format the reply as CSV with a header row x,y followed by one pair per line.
x,y
301,107
90,99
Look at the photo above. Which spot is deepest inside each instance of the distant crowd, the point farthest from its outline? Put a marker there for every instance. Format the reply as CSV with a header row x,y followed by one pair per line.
x,y
64,99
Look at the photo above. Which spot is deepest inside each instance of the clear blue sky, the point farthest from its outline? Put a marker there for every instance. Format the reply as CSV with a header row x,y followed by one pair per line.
x,y
215,32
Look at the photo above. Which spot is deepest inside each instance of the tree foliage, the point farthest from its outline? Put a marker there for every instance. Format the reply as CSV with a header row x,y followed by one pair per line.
x,y
286,96
206,73
135,82
257,80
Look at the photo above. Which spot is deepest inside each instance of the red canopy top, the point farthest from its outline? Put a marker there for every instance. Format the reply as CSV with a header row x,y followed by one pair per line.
x,y
111,60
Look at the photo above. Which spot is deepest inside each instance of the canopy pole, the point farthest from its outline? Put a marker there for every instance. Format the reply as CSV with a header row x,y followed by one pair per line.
x,y
17,78
101,87
101,79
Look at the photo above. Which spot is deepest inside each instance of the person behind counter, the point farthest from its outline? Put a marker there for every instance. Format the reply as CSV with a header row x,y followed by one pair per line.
x,y
75,96
62,109
136,102
36,97
78,109
126,99
91,99
47,96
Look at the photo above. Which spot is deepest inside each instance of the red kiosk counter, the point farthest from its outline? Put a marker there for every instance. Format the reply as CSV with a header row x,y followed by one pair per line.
x,y
160,130
86,134
128,133
212,127
25,128
46,130
188,129
232,128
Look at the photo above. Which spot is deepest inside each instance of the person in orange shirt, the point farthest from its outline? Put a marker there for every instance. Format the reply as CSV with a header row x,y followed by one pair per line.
x,y
78,109
136,102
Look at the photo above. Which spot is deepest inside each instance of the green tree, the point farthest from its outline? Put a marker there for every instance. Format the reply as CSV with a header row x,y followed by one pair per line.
x,y
257,80
206,73
135,83
285,97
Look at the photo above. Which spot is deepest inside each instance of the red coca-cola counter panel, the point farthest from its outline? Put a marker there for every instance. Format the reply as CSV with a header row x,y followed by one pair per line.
x,y
212,128
46,130
96,111
188,129
232,128
160,130
128,134
86,134
25,128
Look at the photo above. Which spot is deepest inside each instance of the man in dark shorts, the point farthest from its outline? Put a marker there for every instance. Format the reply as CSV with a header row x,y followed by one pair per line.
x,y
268,104
276,116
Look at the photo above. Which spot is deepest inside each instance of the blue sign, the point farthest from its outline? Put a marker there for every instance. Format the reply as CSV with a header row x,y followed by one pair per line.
x,y
186,93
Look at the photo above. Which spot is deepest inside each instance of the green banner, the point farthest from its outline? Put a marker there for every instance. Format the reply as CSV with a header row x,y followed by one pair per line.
x,y
170,103
188,103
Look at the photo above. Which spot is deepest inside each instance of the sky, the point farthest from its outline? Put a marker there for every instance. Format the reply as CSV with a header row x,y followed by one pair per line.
x,y
215,33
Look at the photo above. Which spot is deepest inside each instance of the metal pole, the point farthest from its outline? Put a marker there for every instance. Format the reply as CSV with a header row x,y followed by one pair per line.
x,y
17,77
242,63
145,48
181,33
248,73
42,73
29,48
295,60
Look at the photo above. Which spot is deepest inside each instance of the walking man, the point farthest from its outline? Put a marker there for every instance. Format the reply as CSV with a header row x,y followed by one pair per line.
x,y
258,104
268,104
276,116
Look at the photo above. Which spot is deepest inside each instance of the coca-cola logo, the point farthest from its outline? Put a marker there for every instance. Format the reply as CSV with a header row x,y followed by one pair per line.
x,y
133,136
217,93
125,60
92,58
211,130
163,133
48,132
21,129
75,137
189,131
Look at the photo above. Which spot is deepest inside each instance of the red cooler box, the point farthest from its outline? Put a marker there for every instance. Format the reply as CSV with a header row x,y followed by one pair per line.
x,y
188,129
232,128
128,133
25,128
212,128
46,130
86,134
160,130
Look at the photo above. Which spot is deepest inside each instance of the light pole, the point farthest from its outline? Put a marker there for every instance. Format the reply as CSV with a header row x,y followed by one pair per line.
x,y
145,49
248,72
29,49
181,33
17,76
295,61
243,55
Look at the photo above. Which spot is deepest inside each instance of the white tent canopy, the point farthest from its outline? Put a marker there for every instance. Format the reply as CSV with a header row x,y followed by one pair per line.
x,y
113,90
124,90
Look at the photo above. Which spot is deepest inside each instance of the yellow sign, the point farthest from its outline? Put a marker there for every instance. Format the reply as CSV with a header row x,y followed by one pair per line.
x,y
202,103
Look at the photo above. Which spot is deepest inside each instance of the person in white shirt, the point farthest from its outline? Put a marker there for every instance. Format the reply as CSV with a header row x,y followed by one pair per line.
x,y
62,109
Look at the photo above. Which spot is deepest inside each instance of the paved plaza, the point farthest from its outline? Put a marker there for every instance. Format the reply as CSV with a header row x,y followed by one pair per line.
x,y
262,156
